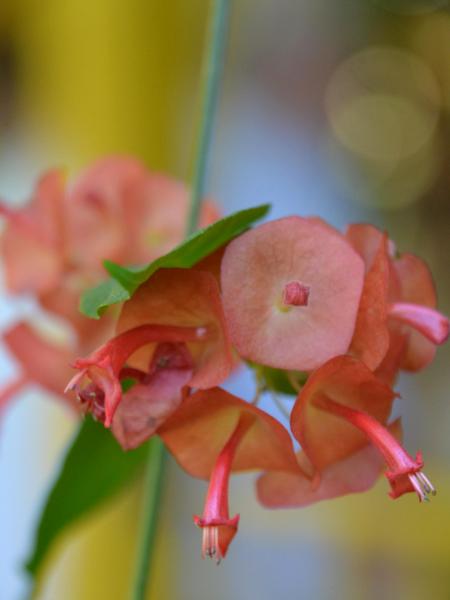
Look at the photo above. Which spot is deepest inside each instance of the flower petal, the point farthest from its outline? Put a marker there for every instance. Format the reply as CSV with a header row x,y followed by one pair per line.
x,y
371,338
148,404
199,429
356,473
255,270
324,437
44,363
186,298
416,286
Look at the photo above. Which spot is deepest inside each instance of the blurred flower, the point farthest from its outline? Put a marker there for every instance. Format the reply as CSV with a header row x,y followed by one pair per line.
x,y
54,247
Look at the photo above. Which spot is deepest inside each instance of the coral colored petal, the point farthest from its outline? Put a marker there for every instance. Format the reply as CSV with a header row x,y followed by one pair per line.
x,y
147,405
44,363
366,240
417,287
123,212
32,243
23,273
419,352
371,338
324,437
389,368
64,302
101,203
258,265
416,281
356,473
200,428
186,298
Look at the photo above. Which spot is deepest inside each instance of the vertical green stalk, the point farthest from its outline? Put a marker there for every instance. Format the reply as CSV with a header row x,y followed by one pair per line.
x,y
152,493
211,76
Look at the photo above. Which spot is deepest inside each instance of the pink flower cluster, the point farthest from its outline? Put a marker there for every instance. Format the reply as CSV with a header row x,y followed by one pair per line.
x,y
338,315
54,246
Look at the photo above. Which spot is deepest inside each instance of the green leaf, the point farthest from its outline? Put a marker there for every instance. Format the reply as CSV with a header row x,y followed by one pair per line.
x,y
95,467
202,243
278,380
94,301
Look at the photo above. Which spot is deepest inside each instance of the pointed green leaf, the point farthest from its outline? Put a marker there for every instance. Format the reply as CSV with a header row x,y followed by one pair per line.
x,y
95,300
95,467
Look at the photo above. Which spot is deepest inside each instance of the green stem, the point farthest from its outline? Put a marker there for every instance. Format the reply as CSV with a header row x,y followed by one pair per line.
x,y
211,76
152,492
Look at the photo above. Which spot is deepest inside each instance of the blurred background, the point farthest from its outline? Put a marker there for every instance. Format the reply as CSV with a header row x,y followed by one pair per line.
x,y
339,109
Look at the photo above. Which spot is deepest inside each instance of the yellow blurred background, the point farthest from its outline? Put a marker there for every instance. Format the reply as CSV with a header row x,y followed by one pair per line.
x,y
336,109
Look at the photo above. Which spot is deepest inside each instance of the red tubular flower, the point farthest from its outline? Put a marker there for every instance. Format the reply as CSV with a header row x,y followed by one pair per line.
x,y
291,290
218,529
405,473
214,433
341,406
399,300
103,368
172,334
324,438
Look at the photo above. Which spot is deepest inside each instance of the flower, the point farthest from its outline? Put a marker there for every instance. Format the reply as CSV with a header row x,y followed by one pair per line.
x,y
291,290
55,245
238,436
117,209
324,438
342,407
398,300
218,529
121,211
405,473
171,333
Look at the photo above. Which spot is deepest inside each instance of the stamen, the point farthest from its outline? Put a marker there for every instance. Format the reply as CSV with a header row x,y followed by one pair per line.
x,y
210,544
422,485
